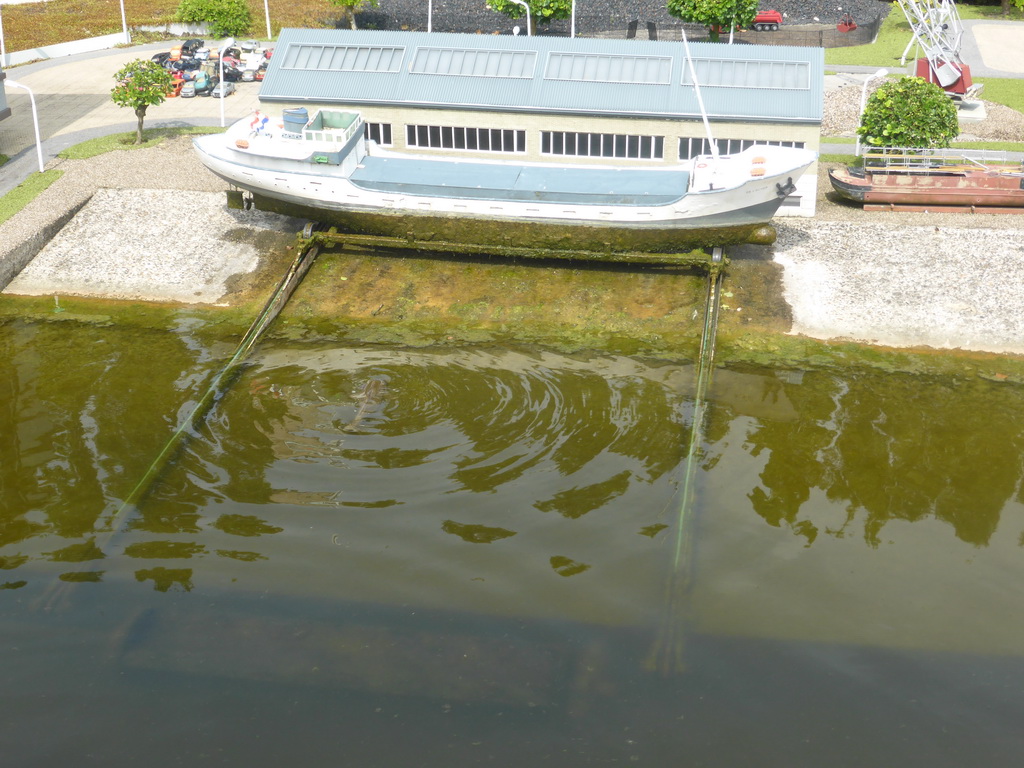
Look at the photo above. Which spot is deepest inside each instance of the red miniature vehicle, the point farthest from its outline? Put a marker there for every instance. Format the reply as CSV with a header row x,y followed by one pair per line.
x,y
767,21
846,23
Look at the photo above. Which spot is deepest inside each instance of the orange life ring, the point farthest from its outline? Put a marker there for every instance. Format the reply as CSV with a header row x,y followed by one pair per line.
x,y
702,165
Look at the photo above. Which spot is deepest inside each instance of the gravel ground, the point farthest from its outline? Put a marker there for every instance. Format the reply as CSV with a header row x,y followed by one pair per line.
x,y
841,116
875,282
154,227
594,16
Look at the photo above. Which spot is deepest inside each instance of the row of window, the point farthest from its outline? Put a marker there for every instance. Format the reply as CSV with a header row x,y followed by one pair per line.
x,y
602,145
691,147
478,139
563,143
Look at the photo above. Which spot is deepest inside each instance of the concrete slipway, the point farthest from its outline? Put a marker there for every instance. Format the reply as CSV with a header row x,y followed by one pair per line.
x,y
902,280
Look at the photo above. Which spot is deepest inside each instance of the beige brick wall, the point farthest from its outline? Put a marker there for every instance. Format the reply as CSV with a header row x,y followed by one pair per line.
x,y
533,124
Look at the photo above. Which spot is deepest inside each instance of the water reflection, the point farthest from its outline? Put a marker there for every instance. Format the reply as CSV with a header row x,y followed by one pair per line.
x,y
494,532
906,449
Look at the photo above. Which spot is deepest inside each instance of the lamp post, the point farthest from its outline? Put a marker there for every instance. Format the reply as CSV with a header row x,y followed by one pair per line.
x,y
266,12
3,49
572,24
430,15
863,101
35,118
527,7
124,26
220,83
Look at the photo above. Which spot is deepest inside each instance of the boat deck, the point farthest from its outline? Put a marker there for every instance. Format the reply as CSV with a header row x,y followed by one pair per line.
x,y
521,183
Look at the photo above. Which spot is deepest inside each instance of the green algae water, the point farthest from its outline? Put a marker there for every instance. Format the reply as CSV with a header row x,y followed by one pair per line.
x,y
383,557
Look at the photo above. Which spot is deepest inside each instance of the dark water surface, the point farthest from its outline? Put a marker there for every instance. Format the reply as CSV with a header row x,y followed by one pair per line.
x,y
380,557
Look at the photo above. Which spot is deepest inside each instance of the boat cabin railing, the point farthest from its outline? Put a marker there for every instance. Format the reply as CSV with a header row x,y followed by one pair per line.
x,y
332,125
901,158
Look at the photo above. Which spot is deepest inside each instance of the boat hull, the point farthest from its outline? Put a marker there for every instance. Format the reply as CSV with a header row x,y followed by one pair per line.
x,y
742,226
965,188
363,190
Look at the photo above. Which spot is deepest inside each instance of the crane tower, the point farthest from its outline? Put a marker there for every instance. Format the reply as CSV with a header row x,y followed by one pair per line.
x,y
937,29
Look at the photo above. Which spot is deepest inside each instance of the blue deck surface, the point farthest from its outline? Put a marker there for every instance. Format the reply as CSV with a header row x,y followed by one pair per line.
x,y
557,184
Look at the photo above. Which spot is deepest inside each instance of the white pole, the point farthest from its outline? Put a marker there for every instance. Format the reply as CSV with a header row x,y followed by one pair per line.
x,y
220,84
700,99
430,15
572,24
3,49
863,101
266,12
35,119
527,7
124,26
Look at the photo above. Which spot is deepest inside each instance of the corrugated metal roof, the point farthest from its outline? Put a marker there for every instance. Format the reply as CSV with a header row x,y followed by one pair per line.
x,y
343,58
749,73
546,74
603,68
467,62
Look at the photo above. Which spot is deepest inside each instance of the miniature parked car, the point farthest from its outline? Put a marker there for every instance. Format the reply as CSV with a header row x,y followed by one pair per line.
x,y
203,84
188,90
186,65
161,58
222,90
189,47
232,74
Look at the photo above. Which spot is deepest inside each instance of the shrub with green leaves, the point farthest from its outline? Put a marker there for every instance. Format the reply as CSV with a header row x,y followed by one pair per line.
x,y
541,11
714,13
350,8
909,112
224,18
140,84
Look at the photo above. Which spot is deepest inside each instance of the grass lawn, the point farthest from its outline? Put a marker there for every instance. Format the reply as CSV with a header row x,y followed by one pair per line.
x,y
895,34
26,192
31,25
151,137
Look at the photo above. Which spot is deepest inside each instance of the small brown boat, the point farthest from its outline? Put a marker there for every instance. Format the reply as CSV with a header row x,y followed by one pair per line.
x,y
934,180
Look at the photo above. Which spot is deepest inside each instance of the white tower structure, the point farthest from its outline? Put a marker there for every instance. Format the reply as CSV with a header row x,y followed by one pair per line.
x,y
938,31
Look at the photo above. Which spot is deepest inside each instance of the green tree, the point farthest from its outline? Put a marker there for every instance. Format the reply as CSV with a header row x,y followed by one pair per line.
x,y
224,18
1007,4
714,14
909,112
140,84
349,8
541,11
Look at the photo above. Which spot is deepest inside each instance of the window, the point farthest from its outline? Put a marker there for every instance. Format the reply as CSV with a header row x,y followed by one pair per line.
x,y
691,147
602,145
379,132
460,137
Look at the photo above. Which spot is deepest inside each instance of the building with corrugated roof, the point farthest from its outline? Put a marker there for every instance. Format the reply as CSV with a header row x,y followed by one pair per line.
x,y
586,100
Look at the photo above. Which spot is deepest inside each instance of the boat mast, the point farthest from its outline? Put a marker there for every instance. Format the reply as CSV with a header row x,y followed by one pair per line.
x,y
700,99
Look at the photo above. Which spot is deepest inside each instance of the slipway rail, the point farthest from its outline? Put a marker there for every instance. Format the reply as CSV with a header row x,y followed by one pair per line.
x,y
222,381
334,239
667,655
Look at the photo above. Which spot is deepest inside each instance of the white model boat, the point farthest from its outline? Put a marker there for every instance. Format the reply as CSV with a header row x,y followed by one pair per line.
x,y
326,170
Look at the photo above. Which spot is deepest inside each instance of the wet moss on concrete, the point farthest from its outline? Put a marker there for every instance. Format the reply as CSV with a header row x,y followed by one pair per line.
x,y
405,300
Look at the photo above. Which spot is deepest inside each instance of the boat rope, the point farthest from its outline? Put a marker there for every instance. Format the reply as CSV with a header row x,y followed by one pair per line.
x,y
220,383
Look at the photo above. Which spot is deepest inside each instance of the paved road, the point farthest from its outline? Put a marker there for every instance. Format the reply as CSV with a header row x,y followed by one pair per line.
x,y
73,97
73,104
